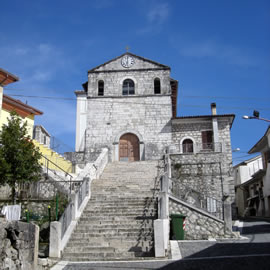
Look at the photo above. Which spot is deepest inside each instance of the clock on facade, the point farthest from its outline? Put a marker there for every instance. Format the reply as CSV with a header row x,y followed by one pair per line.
x,y
127,61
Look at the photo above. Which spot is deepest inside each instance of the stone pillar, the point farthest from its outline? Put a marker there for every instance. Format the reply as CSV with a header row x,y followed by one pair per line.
x,y
74,199
227,217
161,231
215,127
163,205
55,239
35,262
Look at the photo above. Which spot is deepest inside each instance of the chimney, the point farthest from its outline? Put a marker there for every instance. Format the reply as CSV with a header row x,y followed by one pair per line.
x,y
214,108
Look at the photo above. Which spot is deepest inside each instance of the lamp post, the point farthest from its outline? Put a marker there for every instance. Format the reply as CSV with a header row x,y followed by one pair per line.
x,y
256,115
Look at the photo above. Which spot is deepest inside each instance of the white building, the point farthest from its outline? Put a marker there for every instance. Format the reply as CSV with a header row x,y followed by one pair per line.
x,y
263,146
247,184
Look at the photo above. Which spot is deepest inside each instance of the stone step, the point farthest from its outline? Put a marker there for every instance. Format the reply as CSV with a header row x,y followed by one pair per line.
x,y
109,204
124,232
89,249
106,256
123,196
113,241
118,226
119,211
114,230
118,220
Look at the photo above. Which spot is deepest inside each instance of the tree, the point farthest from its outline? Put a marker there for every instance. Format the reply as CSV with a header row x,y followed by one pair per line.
x,y
18,155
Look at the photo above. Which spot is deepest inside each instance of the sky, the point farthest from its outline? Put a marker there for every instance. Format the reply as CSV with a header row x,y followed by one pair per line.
x,y
219,51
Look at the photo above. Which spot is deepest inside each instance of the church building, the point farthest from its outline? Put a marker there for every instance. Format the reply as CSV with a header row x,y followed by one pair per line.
x,y
127,105
145,163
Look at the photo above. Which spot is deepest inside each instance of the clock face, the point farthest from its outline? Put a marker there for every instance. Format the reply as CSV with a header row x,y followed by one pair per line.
x,y
127,61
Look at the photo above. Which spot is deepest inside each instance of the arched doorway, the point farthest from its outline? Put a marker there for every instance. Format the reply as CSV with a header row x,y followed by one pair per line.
x,y
129,148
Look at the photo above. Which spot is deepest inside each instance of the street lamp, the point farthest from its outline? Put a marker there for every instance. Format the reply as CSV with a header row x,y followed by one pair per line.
x,y
256,115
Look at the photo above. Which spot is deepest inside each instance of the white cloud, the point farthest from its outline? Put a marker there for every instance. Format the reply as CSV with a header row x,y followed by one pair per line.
x,y
213,49
156,16
158,13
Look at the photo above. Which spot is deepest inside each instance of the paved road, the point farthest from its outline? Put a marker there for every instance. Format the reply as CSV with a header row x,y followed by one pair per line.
x,y
258,231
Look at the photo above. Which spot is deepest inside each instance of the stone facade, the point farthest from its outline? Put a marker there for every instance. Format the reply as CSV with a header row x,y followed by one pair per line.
x,y
102,120
209,170
18,245
130,115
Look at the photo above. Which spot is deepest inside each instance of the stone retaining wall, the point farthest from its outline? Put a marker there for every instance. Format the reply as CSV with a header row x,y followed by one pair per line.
x,y
199,224
18,245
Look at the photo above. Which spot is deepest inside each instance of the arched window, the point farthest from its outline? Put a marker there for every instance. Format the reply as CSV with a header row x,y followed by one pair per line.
x,y
100,88
187,146
157,86
128,87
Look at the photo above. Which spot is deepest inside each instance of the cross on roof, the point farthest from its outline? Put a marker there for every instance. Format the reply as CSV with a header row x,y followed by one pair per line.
x,y
127,48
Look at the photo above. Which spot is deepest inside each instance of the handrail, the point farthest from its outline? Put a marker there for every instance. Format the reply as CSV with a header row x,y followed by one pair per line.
x,y
57,166
61,169
207,203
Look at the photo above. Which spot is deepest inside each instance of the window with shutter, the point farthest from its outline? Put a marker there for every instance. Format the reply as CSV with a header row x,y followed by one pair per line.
x,y
187,146
207,140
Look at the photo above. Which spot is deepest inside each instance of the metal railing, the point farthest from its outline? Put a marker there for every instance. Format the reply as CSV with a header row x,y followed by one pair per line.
x,y
66,218
46,189
83,191
62,174
80,195
197,199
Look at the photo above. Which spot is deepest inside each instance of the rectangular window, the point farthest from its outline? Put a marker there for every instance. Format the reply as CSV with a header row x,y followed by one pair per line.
x,y
100,88
207,140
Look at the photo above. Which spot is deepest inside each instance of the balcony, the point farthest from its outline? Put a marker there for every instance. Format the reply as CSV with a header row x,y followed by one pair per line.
x,y
188,149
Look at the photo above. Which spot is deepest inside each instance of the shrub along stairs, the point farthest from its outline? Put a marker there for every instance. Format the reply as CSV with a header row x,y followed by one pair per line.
x,y
117,222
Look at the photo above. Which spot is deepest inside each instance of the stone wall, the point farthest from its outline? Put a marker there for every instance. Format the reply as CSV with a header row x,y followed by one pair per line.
x,y
207,171
199,224
18,245
37,207
143,73
146,117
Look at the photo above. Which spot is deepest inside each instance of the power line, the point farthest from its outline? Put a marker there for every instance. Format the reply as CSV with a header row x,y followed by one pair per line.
x,y
145,103
226,97
187,96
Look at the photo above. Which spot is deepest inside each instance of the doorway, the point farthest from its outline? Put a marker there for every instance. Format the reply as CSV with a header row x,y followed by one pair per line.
x,y
129,148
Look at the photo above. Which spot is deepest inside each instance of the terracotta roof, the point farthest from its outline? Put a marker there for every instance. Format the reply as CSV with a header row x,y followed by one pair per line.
x,y
21,108
7,78
134,55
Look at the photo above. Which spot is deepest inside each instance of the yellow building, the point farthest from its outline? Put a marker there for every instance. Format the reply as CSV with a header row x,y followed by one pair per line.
x,y
26,112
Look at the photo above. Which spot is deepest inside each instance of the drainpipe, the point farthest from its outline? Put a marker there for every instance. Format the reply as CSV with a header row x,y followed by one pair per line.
x,y
215,127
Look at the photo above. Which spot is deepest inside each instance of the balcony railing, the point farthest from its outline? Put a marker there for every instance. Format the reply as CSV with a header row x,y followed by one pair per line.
x,y
196,148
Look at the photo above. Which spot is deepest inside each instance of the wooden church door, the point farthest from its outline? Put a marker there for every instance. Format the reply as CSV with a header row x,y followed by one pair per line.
x,y
129,148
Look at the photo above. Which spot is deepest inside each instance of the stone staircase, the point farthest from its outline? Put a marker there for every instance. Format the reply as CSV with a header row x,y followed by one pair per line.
x,y
117,222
